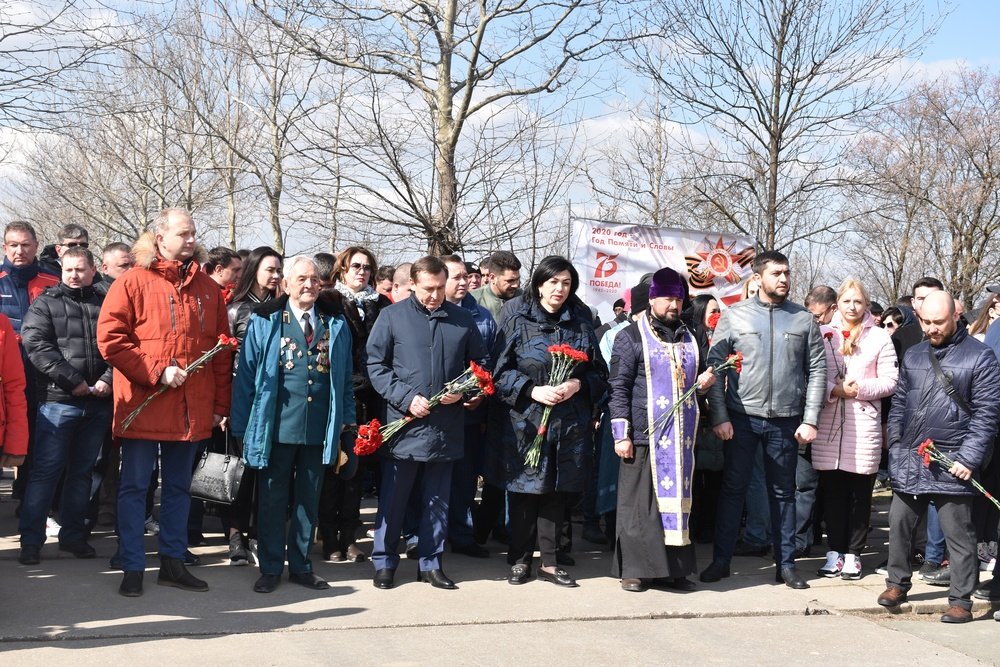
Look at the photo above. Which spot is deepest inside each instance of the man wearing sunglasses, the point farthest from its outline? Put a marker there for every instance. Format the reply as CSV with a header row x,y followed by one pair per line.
x,y
70,236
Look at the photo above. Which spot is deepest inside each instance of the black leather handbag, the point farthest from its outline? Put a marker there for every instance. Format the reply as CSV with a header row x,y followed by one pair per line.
x,y
217,476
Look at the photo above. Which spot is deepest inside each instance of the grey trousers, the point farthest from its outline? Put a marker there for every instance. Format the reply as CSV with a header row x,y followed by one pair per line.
x,y
955,513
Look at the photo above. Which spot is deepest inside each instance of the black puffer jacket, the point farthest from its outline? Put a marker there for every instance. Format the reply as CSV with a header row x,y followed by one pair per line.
x,y
921,409
523,362
60,336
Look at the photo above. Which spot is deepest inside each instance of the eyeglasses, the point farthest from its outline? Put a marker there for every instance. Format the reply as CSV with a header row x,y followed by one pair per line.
x,y
361,267
76,244
890,325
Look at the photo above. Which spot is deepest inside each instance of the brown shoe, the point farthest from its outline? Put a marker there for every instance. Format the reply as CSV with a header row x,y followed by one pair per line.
x,y
893,596
956,614
634,585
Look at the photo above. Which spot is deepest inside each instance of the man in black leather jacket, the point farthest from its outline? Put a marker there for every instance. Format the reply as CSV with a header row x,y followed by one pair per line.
x,y
773,403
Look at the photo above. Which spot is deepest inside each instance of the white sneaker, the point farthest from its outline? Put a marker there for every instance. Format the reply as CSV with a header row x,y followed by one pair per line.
x,y
833,566
851,567
52,527
152,526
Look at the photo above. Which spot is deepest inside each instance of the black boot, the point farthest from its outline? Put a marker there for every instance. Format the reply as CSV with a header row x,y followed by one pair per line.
x,y
131,586
173,573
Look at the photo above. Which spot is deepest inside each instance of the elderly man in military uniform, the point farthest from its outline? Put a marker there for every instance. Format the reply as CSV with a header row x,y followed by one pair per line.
x,y
293,398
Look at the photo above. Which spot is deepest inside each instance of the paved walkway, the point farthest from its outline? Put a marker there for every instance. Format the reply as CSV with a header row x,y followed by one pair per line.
x,y
65,604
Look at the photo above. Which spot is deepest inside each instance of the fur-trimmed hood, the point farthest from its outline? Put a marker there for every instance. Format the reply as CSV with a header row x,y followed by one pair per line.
x,y
145,252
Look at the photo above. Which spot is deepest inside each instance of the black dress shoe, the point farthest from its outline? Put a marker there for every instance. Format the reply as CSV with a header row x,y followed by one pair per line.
x,y
384,578
790,577
267,583
79,549
989,591
560,577
309,580
437,579
519,574
682,584
131,586
938,577
472,550
714,572
31,554
564,559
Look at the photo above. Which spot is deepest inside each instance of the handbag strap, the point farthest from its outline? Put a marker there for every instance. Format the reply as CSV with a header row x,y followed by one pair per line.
x,y
943,378
229,443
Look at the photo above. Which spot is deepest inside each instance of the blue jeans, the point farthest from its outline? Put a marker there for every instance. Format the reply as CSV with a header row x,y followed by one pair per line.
x,y
68,439
934,551
777,438
758,528
176,464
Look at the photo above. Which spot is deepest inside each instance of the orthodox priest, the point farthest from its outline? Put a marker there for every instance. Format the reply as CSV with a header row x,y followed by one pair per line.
x,y
654,361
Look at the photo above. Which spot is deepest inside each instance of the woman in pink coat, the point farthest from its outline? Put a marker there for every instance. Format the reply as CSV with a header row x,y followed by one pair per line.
x,y
860,371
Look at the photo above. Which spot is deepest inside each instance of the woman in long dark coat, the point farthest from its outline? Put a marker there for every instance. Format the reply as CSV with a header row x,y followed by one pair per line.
x,y
353,279
549,313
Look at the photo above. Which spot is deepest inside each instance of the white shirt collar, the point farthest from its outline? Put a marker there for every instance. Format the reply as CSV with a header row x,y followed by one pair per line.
x,y
297,315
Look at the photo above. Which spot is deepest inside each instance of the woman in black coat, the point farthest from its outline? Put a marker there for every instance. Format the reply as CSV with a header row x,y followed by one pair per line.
x,y
549,313
353,279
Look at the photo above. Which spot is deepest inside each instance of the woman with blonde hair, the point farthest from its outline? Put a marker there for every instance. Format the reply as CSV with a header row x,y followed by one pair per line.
x,y
860,370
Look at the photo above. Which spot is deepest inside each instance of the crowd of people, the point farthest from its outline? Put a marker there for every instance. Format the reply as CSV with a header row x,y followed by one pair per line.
x,y
758,425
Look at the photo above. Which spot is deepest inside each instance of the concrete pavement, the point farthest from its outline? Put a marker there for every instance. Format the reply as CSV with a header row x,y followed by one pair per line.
x,y
68,605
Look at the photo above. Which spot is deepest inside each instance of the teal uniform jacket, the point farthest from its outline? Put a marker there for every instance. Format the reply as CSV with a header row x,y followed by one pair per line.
x,y
255,412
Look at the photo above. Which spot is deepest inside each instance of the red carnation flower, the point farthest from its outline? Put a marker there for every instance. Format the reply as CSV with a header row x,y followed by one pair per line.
x,y
828,335
369,438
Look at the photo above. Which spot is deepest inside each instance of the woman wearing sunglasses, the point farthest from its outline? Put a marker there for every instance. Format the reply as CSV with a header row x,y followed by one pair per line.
x,y
353,279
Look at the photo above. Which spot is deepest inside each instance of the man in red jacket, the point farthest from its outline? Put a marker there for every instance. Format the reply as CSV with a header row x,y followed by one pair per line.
x,y
157,319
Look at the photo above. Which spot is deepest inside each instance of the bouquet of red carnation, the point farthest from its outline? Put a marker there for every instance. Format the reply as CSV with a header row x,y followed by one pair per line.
x,y
475,378
224,343
564,360
734,361
928,452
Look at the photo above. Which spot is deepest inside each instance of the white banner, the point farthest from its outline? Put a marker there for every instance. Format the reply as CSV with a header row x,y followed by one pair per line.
x,y
611,259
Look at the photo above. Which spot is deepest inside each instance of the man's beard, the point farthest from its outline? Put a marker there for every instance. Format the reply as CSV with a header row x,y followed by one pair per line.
x,y
668,317
774,297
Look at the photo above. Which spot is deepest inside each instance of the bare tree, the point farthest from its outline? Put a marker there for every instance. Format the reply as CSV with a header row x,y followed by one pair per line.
x,y
932,185
461,59
41,46
635,176
775,85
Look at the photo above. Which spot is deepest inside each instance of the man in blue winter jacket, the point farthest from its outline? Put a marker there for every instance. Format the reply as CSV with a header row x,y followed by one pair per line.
x,y
948,393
